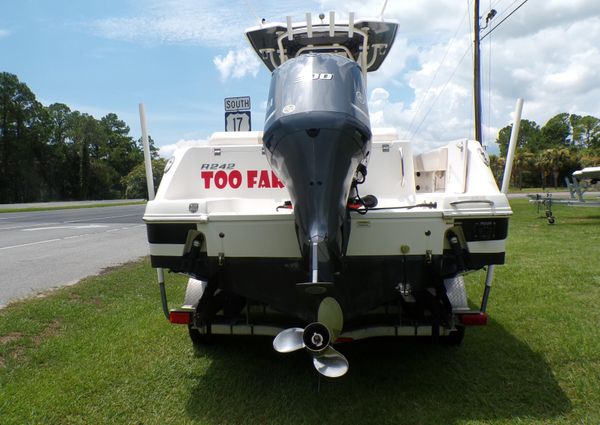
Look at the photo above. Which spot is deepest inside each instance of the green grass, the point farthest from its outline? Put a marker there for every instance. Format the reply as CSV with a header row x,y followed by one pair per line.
x,y
69,207
101,352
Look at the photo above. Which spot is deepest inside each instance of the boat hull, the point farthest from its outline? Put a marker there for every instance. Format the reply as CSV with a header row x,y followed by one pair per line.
x,y
221,216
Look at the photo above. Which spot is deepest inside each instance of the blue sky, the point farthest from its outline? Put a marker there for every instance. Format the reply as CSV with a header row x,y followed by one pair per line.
x,y
57,50
182,57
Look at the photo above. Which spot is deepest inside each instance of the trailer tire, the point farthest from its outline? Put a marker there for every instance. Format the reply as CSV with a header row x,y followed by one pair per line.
x,y
455,338
199,339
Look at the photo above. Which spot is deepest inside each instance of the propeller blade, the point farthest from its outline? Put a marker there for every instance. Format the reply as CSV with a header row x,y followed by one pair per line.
x,y
331,363
330,314
289,340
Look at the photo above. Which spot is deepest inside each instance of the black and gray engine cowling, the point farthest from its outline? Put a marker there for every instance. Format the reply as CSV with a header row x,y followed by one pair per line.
x,y
316,133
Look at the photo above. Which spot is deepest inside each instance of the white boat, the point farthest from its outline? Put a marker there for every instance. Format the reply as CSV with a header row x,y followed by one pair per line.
x,y
320,229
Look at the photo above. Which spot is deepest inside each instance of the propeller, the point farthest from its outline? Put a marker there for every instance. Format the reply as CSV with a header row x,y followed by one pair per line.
x,y
316,338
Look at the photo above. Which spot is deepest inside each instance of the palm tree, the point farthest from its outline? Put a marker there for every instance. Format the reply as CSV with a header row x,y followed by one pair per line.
x,y
522,163
555,159
497,167
589,159
542,164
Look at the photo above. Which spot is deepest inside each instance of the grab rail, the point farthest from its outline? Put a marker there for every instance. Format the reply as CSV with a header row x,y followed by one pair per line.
x,y
472,201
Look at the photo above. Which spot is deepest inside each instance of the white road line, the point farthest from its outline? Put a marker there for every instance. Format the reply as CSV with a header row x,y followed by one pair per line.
x,y
89,226
69,237
132,227
28,244
104,218
26,225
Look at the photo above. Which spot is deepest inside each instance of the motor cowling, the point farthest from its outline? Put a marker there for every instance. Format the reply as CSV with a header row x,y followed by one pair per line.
x,y
316,133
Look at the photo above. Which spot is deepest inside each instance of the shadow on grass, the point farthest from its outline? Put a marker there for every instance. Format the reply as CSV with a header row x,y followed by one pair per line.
x,y
492,376
561,220
585,219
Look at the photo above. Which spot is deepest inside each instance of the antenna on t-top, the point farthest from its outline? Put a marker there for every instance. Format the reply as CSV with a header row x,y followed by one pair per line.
x,y
383,9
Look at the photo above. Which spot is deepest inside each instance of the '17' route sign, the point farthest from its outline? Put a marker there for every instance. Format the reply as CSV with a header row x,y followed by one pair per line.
x,y
237,114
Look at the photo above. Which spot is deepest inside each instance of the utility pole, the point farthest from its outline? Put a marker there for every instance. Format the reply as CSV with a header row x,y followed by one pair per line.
x,y
477,73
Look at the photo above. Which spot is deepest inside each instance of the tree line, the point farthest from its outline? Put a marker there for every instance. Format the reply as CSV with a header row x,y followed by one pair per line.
x,y
52,153
546,155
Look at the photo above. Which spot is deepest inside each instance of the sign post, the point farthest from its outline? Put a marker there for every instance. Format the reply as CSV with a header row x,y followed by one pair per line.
x,y
237,114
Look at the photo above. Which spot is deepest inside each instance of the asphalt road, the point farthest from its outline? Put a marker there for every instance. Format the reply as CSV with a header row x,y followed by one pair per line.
x,y
47,249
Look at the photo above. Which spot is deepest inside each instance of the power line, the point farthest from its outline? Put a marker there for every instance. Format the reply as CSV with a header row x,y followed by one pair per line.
x,y
490,87
440,92
412,122
492,6
495,4
508,16
500,14
470,21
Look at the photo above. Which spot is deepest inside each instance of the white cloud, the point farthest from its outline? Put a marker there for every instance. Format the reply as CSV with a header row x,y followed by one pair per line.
x,y
211,23
184,29
427,101
424,19
441,108
168,150
547,54
557,69
208,23
237,63
395,64
450,122
536,16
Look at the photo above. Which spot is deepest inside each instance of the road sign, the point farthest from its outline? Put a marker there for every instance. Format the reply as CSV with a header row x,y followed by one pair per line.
x,y
237,121
237,103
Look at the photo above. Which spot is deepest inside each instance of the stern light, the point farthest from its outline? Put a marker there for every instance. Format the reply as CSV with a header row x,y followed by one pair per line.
x,y
474,319
180,317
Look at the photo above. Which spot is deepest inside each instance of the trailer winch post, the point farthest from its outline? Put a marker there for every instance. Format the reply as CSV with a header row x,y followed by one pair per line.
x,y
150,185
510,156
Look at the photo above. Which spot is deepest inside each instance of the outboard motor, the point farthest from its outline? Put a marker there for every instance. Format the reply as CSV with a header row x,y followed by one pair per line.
x,y
316,133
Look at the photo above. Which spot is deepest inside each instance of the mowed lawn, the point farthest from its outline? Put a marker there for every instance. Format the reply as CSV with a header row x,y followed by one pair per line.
x,y
101,352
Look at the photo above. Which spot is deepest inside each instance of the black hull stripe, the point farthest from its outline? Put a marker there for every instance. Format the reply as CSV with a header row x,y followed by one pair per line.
x,y
171,233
